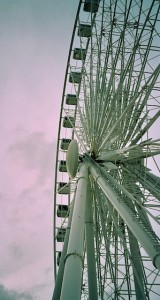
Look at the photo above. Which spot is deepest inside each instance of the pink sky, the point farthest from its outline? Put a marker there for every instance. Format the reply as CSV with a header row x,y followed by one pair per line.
x,y
34,43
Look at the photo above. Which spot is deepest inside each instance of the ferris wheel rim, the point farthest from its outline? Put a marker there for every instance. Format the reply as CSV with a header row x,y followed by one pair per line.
x,y
58,136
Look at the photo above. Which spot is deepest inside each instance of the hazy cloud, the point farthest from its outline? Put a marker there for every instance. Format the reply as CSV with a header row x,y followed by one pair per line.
x,y
6,294
34,153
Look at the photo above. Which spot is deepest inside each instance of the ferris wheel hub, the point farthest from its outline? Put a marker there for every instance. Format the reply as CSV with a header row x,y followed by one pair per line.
x,y
72,158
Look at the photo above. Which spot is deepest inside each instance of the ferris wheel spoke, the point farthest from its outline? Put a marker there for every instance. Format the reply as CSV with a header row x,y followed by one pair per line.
x,y
142,132
105,66
97,245
130,218
121,276
150,82
138,268
102,250
117,262
137,111
85,108
110,87
105,220
91,262
148,181
129,191
138,273
145,149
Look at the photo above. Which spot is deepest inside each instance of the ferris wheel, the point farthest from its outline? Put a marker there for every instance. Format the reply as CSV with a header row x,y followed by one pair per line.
x,y
107,183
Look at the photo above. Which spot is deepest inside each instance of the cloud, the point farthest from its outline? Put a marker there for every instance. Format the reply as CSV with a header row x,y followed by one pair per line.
x,y
27,210
26,279
6,294
26,222
34,153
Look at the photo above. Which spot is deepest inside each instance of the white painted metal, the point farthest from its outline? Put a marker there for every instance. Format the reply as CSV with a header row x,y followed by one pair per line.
x,y
90,248
128,216
72,278
116,116
72,158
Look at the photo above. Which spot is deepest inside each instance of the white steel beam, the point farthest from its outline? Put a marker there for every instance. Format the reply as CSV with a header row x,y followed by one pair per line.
x,y
91,261
125,212
72,278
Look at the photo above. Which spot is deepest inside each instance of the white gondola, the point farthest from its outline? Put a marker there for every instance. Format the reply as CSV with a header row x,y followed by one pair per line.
x,y
62,211
79,54
91,5
61,234
85,30
68,122
65,143
62,166
71,99
75,77
63,188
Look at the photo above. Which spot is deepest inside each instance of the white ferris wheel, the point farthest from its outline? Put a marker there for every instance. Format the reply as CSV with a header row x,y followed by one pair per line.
x,y
107,183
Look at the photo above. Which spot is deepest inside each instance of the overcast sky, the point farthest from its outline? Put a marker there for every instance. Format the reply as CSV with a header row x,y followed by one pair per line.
x,y
34,42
